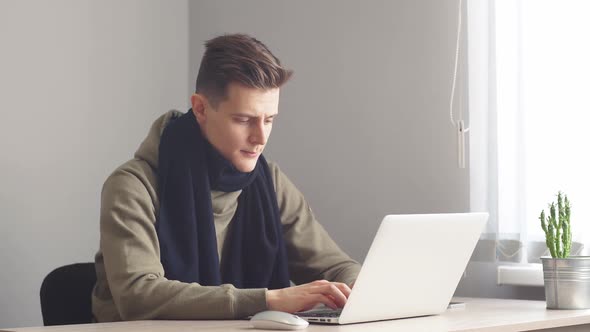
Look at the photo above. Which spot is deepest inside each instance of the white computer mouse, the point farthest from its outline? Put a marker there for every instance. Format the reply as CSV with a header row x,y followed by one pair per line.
x,y
277,320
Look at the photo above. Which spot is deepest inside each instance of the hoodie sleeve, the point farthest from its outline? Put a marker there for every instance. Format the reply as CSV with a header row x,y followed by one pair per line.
x,y
313,255
135,276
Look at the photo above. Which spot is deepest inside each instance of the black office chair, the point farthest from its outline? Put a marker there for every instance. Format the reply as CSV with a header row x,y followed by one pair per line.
x,y
66,295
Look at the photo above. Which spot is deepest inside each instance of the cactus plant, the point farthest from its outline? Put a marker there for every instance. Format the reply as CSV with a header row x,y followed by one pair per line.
x,y
557,227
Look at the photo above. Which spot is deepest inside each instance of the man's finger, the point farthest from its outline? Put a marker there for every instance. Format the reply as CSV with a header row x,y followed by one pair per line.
x,y
321,298
343,288
333,291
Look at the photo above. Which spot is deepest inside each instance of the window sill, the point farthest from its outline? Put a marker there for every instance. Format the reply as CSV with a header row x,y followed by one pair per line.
x,y
520,275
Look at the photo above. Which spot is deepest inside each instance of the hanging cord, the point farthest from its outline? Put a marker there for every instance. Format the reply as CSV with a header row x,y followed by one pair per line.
x,y
456,63
460,124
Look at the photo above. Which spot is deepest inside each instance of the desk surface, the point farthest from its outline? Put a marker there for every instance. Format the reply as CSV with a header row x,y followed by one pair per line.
x,y
478,315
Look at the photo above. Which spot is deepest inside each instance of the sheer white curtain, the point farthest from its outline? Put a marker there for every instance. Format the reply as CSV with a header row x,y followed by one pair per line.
x,y
529,71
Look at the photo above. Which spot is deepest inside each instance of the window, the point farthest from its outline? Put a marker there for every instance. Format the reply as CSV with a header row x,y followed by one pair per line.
x,y
529,72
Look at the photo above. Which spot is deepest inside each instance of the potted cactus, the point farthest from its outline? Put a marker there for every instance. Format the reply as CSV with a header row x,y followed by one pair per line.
x,y
567,278
557,228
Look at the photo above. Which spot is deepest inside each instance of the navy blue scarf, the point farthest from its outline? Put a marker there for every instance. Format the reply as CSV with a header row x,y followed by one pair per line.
x,y
189,168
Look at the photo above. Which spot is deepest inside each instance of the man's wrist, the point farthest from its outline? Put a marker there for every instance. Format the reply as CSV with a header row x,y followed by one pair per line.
x,y
270,298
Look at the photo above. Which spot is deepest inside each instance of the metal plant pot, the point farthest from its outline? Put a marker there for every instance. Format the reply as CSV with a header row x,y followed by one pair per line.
x,y
567,282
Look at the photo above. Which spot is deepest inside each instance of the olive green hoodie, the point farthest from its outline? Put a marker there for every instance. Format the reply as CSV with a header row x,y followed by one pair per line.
x,y
131,283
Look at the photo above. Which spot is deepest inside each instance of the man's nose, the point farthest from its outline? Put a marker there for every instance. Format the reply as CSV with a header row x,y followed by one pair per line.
x,y
258,135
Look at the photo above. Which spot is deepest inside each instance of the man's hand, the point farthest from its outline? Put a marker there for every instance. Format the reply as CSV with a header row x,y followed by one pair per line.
x,y
306,296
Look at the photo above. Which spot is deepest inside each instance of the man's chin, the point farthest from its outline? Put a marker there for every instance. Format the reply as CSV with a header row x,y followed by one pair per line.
x,y
246,167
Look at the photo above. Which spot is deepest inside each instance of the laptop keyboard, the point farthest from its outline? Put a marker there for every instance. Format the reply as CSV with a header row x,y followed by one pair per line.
x,y
320,313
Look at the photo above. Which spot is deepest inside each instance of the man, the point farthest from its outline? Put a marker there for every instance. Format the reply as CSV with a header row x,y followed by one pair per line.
x,y
199,225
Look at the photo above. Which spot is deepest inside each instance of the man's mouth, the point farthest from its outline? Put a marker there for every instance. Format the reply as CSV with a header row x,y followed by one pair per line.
x,y
249,153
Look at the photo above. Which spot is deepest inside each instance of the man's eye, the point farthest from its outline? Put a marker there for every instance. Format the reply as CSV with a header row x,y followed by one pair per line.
x,y
241,120
268,121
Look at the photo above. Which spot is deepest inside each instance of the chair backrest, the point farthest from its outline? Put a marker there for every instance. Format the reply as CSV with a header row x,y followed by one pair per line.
x,y
66,295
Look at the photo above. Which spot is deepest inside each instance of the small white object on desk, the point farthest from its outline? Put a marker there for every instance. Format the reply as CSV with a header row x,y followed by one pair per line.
x,y
277,320
521,275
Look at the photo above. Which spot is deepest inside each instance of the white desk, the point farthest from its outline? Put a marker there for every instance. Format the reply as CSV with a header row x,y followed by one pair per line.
x,y
478,315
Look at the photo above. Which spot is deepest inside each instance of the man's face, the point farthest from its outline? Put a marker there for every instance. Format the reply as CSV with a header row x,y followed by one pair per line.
x,y
240,125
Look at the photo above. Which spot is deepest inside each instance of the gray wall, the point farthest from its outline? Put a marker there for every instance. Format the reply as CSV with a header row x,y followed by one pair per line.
x,y
363,126
80,83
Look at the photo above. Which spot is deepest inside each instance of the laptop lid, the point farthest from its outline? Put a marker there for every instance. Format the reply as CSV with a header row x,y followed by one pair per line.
x,y
413,266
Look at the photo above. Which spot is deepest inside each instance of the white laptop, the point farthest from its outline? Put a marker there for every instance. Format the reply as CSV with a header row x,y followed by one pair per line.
x,y
412,268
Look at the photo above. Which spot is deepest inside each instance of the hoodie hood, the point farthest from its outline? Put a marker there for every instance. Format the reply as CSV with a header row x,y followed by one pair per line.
x,y
149,148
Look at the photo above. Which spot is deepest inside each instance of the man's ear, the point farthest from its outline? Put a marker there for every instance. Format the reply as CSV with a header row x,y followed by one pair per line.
x,y
199,103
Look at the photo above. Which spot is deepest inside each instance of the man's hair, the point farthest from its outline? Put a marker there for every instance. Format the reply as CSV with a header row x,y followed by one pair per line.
x,y
238,58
